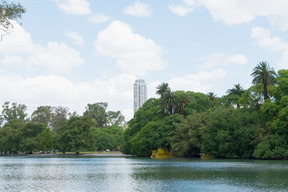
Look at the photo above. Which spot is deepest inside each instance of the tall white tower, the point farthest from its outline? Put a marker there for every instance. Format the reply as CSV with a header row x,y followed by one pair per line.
x,y
140,94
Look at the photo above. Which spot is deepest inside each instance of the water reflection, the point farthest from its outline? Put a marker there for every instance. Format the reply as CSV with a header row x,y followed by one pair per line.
x,y
140,174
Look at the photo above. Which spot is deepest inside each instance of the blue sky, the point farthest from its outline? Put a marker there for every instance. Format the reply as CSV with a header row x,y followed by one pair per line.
x,y
73,52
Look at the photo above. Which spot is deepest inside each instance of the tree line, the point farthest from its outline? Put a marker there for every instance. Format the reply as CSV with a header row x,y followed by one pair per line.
x,y
250,123
55,128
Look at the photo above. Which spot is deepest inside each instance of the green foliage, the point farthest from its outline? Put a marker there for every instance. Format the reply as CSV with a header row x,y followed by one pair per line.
x,y
110,137
185,140
74,134
229,133
45,140
11,135
30,132
153,135
14,111
101,118
42,114
234,95
273,147
252,97
282,84
265,75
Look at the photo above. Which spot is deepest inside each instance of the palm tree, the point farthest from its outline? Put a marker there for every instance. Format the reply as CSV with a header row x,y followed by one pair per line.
x,y
168,101
265,75
181,101
212,96
236,90
236,93
161,89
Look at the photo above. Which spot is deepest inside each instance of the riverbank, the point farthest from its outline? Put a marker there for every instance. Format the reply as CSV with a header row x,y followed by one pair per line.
x,y
88,153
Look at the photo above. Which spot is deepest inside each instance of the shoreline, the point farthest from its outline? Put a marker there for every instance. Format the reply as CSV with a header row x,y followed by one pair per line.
x,y
96,154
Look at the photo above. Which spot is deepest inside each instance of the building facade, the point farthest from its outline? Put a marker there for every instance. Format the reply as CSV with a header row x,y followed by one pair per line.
x,y
140,94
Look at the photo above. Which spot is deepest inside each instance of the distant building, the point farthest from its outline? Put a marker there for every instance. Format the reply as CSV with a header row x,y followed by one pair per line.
x,y
140,94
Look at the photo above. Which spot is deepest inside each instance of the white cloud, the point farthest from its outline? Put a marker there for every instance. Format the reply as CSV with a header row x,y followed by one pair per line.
x,y
138,10
283,63
134,53
183,10
189,2
8,60
19,41
19,50
264,40
199,82
57,91
222,59
180,10
244,11
77,39
237,59
57,57
98,18
74,7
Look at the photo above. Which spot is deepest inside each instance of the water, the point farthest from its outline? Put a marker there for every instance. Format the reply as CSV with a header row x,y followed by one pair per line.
x,y
26,173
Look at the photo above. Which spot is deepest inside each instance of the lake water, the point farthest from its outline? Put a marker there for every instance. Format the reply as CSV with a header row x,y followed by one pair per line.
x,y
88,173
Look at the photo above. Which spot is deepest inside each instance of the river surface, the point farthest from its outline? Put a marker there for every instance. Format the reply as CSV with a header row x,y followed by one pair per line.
x,y
90,173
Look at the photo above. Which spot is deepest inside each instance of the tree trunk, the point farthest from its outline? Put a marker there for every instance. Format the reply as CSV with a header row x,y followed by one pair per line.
x,y
265,91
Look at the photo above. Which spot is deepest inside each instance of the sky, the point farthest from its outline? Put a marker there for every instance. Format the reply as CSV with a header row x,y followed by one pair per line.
x,y
73,52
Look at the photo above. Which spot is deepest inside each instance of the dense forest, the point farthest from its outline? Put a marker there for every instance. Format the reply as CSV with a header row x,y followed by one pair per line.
x,y
54,128
250,123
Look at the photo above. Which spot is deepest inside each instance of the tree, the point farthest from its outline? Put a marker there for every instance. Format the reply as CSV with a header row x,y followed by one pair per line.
x,y
14,111
163,88
59,116
45,139
42,114
234,94
185,140
8,12
115,118
236,90
212,96
265,75
30,131
282,84
11,135
181,102
168,101
97,112
74,134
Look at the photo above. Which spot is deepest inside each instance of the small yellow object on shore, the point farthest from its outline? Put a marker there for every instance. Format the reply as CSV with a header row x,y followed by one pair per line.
x,y
161,153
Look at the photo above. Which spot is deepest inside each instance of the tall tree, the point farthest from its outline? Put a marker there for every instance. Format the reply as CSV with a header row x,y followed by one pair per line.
x,y
162,89
59,116
42,114
115,118
97,112
8,12
236,90
212,96
234,94
14,111
181,101
168,101
74,134
265,75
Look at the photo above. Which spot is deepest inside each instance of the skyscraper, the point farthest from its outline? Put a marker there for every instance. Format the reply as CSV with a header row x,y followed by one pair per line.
x,y
140,94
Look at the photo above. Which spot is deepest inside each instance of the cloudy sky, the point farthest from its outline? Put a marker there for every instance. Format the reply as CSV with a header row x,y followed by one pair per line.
x,y
74,52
